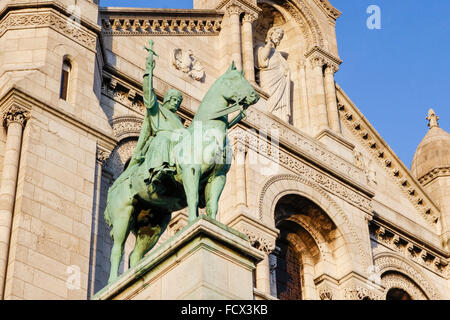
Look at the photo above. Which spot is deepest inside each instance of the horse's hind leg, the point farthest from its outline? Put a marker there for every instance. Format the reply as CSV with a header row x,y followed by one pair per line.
x,y
191,179
120,232
213,190
146,238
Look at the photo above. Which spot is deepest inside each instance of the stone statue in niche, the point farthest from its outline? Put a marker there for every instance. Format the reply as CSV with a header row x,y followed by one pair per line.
x,y
274,74
187,63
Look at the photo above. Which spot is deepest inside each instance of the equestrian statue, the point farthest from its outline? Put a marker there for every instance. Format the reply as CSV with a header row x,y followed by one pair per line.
x,y
173,167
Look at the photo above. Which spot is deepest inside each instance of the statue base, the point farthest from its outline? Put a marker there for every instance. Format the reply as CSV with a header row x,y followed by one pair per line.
x,y
206,260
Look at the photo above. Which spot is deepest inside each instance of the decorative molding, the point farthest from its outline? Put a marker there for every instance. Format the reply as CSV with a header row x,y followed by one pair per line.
x,y
260,236
307,22
433,174
15,114
301,168
356,292
126,127
49,19
161,25
397,280
320,57
238,6
306,147
385,262
266,207
409,249
249,17
102,155
17,97
375,145
122,94
325,293
328,8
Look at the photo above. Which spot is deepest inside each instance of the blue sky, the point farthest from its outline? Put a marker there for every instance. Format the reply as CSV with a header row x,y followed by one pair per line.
x,y
394,75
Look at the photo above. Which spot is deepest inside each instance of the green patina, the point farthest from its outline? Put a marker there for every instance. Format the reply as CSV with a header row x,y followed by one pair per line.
x,y
173,167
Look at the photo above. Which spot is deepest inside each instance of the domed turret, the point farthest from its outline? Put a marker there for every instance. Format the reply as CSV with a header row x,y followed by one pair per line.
x,y
434,150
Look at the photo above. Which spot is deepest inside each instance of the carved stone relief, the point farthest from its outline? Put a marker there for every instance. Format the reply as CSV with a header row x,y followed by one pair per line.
x,y
186,62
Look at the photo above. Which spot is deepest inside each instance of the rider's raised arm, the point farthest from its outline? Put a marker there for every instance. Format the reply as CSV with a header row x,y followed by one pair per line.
x,y
150,99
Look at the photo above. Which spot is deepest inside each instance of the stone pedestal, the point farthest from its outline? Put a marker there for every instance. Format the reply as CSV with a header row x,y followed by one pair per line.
x,y
205,260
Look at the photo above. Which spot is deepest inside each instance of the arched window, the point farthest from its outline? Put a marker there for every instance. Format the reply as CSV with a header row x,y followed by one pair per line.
x,y
397,294
65,76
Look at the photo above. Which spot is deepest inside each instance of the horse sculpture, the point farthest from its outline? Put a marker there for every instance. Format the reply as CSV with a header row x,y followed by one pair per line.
x,y
202,155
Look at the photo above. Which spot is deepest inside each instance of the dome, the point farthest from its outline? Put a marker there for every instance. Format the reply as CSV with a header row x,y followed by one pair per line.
x,y
433,151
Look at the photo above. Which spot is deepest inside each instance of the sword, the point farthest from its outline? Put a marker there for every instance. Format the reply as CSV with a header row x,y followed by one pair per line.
x,y
150,50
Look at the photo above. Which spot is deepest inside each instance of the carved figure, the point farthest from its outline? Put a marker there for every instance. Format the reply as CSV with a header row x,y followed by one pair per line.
x,y
275,76
173,167
187,63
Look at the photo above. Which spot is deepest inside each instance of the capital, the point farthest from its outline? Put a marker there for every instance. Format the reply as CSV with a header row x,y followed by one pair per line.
x,y
102,155
15,114
249,18
331,69
234,10
317,61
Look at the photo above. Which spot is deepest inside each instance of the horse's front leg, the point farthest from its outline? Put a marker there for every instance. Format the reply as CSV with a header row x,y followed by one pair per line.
x,y
191,180
213,190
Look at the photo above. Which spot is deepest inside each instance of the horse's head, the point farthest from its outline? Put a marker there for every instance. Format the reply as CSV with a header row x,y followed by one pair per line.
x,y
237,89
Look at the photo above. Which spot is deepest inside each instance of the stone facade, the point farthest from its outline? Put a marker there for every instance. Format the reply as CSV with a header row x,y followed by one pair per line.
x,y
320,195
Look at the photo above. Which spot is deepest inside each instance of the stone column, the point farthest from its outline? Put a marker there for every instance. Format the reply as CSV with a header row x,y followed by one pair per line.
x,y
241,186
330,89
14,121
319,94
304,118
234,13
263,275
247,47
102,156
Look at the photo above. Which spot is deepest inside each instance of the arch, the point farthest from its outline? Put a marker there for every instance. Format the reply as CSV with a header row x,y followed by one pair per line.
x,y
126,127
278,186
389,263
394,281
65,85
304,17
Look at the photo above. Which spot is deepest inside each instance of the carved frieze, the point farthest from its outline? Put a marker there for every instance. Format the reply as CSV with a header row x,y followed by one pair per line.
x,y
301,168
356,292
386,262
258,239
161,26
409,248
127,126
393,167
52,20
303,144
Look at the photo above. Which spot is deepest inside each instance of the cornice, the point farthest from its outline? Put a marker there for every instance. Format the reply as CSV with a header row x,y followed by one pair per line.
x,y
433,174
22,99
398,172
409,246
160,22
328,8
328,58
245,5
